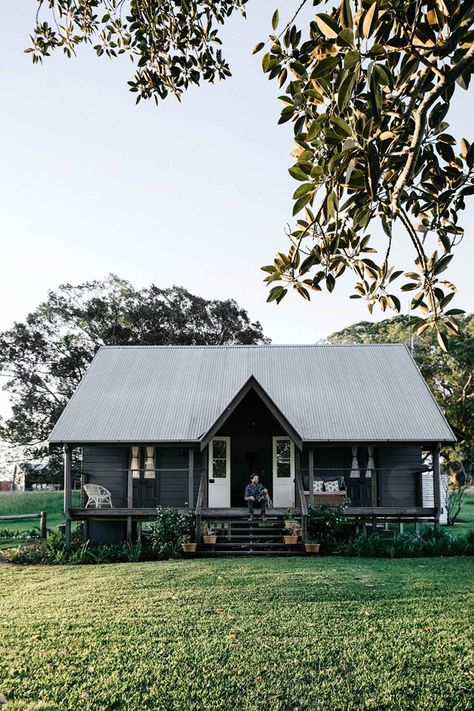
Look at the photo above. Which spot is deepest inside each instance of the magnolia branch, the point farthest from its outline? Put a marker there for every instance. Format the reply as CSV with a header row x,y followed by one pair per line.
x,y
419,118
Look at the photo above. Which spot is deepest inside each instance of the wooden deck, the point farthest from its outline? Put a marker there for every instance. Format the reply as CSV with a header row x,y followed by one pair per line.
x,y
144,514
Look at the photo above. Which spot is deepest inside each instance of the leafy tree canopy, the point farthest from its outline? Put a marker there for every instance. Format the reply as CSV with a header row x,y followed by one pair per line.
x,y
367,85
449,375
44,357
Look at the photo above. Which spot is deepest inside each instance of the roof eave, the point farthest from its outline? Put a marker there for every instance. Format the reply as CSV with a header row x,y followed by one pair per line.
x,y
252,384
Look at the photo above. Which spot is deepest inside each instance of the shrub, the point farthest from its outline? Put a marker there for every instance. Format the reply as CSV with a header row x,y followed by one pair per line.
x,y
168,531
429,542
326,526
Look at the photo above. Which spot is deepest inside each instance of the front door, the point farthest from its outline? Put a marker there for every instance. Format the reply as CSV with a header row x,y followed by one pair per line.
x,y
143,469
283,472
219,473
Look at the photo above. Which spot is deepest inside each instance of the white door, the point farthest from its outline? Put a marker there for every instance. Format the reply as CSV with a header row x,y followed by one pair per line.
x,y
219,473
283,472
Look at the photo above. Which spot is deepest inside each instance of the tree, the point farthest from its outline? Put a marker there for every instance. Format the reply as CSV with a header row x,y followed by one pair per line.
x,y
455,495
449,375
368,87
44,357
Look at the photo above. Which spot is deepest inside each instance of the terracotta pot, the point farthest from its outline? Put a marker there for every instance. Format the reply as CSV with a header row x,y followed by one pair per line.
x,y
290,540
209,539
188,547
311,547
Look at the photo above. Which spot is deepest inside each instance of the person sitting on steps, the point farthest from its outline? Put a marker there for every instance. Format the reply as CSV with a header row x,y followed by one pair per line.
x,y
255,493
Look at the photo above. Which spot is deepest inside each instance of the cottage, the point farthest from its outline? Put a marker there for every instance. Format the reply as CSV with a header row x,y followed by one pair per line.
x,y
187,425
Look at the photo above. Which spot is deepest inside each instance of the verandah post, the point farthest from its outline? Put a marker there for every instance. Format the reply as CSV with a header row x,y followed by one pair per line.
x,y
129,504
67,451
436,484
191,477
311,476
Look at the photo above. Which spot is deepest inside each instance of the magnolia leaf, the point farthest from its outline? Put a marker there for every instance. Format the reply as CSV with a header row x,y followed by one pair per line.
x,y
275,19
442,340
327,25
296,173
345,14
325,67
370,20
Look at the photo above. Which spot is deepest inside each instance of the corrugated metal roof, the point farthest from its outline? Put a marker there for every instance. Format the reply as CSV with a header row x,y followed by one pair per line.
x,y
328,392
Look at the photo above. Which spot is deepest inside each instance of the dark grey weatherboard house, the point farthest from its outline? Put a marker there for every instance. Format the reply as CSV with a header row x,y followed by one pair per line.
x,y
186,426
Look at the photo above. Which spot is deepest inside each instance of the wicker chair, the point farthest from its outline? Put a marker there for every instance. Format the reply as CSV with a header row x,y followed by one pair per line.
x,y
97,495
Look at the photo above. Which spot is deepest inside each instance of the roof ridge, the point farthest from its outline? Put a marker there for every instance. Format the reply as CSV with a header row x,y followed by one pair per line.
x,y
258,345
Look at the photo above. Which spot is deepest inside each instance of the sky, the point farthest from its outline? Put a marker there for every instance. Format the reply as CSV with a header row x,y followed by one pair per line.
x,y
195,194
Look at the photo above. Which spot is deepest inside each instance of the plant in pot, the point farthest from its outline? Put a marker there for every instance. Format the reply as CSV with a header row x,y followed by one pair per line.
x,y
290,539
291,524
311,546
187,545
208,535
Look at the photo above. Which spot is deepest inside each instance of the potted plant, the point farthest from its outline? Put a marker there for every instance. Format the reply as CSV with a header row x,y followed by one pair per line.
x,y
208,535
311,546
290,540
187,545
290,523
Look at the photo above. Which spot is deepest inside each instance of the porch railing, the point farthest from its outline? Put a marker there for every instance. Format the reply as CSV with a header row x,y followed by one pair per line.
x,y
303,504
199,503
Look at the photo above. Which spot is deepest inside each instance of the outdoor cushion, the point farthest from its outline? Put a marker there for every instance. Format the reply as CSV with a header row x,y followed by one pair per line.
x,y
331,486
318,486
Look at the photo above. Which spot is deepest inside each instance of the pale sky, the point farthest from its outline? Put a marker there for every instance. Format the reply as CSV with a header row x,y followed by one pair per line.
x,y
195,194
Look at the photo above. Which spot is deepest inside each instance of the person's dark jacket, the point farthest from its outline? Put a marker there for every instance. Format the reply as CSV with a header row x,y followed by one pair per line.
x,y
255,490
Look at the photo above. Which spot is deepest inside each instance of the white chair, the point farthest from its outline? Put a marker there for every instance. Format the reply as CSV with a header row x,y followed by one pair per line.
x,y
97,495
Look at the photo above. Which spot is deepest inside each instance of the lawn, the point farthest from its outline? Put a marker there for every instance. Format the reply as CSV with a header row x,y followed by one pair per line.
x,y
282,634
23,502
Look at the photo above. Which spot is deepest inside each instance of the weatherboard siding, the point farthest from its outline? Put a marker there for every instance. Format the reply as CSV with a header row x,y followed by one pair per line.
x,y
398,475
107,465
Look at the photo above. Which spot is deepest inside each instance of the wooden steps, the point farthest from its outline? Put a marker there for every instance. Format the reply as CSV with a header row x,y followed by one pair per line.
x,y
237,536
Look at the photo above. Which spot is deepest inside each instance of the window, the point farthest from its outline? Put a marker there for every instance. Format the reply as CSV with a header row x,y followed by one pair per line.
x,y
219,458
283,458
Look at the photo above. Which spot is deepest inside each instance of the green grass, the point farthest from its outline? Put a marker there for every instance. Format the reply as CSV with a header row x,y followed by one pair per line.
x,y
466,515
23,502
281,634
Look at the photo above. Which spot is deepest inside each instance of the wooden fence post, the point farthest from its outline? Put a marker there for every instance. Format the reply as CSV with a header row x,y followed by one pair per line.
x,y
43,524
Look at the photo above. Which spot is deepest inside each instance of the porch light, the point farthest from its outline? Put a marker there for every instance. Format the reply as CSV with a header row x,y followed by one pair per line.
x,y
355,471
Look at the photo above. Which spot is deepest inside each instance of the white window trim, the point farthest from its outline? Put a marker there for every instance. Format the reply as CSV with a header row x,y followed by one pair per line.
x,y
211,456
292,456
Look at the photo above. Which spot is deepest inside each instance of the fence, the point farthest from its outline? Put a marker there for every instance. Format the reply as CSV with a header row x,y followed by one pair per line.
x,y
42,516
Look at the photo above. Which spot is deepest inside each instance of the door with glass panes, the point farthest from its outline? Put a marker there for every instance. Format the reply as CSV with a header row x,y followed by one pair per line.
x,y
143,467
219,472
283,472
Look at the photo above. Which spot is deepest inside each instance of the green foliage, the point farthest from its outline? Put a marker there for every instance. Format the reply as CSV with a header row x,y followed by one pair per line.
x,y
326,526
161,541
169,530
52,551
134,636
450,376
429,542
44,357
368,88
175,43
